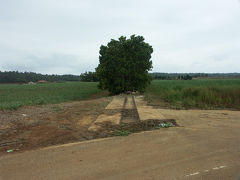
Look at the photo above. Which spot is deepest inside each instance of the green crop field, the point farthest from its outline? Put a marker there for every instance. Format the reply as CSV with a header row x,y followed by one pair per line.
x,y
204,94
14,96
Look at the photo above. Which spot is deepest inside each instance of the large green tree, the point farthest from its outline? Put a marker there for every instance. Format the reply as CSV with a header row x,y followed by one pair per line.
x,y
124,65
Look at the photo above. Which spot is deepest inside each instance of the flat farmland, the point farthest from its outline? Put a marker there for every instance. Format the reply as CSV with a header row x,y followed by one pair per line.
x,y
13,96
200,94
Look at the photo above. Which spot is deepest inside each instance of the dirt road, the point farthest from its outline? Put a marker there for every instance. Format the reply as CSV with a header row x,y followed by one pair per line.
x,y
205,146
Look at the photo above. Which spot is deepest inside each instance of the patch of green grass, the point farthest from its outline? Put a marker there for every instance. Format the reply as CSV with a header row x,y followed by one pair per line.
x,y
11,106
122,133
14,96
165,125
204,94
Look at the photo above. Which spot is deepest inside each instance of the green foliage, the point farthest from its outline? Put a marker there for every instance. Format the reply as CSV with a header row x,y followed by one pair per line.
x,y
122,133
165,125
89,77
205,94
24,77
124,65
14,96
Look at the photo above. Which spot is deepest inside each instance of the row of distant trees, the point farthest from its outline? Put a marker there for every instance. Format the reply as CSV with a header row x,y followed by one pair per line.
x,y
89,77
189,76
167,77
25,77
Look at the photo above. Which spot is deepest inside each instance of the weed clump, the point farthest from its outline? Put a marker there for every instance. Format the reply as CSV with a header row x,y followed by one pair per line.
x,y
164,125
122,133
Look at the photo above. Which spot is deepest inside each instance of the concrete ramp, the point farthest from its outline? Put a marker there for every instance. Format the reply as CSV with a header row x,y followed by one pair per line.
x,y
126,109
116,103
112,113
147,112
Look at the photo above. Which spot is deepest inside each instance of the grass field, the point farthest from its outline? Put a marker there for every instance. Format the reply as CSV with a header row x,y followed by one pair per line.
x,y
204,94
14,96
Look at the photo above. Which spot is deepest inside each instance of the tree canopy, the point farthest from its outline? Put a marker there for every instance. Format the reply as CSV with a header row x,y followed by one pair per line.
x,y
88,77
124,65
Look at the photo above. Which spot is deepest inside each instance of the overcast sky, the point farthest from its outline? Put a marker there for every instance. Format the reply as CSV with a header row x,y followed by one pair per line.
x,y
64,36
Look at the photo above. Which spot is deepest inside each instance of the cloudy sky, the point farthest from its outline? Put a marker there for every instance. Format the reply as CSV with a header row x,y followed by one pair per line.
x,y
64,36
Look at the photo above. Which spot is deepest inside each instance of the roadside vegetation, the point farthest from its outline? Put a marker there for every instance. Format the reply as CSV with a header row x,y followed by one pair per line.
x,y
122,133
14,96
203,94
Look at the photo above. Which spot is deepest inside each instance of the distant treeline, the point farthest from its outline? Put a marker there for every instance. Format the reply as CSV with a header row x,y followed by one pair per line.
x,y
25,77
189,76
89,77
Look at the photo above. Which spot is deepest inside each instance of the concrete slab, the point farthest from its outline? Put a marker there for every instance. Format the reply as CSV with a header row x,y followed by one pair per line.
x,y
116,103
147,112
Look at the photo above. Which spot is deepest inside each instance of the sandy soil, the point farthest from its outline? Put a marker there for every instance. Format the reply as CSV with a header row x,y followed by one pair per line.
x,y
147,112
40,126
204,146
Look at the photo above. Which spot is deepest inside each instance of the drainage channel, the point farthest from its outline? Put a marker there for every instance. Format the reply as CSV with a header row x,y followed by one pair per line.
x,y
129,111
135,106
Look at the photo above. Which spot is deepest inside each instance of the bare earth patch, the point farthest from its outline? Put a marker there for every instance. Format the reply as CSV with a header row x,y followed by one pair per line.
x,y
41,126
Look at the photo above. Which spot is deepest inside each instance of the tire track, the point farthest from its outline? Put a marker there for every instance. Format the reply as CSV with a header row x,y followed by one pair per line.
x,y
129,111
